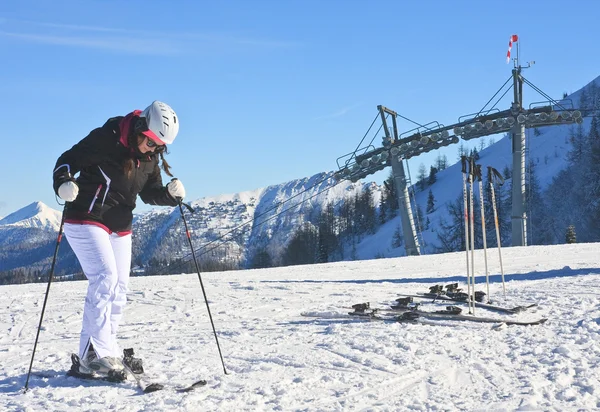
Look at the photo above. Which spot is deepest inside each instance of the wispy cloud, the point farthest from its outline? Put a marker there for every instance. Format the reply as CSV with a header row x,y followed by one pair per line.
x,y
76,27
127,44
338,113
135,41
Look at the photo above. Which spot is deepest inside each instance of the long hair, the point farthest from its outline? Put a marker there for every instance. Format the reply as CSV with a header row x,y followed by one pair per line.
x,y
163,163
160,151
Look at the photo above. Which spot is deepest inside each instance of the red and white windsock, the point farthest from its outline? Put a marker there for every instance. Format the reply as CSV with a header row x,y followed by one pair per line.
x,y
513,38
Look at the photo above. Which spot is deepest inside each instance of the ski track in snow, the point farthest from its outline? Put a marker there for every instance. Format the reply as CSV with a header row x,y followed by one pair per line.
x,y
280,360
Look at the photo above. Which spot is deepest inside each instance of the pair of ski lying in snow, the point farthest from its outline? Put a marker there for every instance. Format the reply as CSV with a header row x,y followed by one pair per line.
x,y
406,311
435,296
408,314
131,367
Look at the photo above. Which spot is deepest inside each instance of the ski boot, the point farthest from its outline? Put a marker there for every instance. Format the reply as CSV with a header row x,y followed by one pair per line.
x,y
132,363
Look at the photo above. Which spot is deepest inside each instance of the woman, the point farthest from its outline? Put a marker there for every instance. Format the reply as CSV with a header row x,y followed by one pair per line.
x,y
115,162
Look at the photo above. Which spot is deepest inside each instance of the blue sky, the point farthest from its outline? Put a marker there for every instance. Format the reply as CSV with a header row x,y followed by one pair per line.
x,y
266,91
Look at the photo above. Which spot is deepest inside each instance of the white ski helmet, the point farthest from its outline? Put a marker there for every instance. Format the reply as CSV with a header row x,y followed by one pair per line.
x,y
159,122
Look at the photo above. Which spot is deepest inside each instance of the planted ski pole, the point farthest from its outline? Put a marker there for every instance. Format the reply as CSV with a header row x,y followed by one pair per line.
x,y
50,276
487,278
472,226
463,161
495,175
187,232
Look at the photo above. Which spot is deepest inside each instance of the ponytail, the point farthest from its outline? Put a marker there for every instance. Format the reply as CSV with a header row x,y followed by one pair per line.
x,y
134,141
164,164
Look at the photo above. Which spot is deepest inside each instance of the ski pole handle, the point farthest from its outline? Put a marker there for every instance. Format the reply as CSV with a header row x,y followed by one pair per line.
x,y
188,207
496,175
463,162
478,172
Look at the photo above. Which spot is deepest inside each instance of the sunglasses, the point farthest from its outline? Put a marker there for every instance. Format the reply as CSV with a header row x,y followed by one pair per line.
x,y
151,143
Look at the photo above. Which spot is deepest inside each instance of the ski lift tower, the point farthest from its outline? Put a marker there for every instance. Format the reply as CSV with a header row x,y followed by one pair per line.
x,y
366,160
396,149
555,113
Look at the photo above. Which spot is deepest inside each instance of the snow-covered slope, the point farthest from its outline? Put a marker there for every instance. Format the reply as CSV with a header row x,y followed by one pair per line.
x,y
27,237
278,359
232,226
35,215
547,151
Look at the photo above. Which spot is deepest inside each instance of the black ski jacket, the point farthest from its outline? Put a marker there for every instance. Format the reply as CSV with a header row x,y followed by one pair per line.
x,y
107,194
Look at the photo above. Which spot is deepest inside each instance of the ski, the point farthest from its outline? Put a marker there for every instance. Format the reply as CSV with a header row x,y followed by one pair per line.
x,y
145,387
450,315
450,312
114,376
133,366
412,314
435,296
72,374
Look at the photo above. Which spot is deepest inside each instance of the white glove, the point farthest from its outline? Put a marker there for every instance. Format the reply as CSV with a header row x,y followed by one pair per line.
x,y
68,191
176,189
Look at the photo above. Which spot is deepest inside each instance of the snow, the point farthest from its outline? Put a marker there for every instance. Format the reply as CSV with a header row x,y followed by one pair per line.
x,y
278,359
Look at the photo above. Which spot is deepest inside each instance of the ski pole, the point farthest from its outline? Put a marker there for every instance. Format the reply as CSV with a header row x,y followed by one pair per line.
x,y
463,161
187,232
495,174
472,225
50,276
487,278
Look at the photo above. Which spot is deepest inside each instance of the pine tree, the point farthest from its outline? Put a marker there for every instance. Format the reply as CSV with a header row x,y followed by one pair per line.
x,y
482,144
366,214
391,196
537,228
302,248
451,235
430,202
419,217
327,237
397,238
421,176
261,259
441,162
382,209
579,144
462,151
570,237
432,176
562,206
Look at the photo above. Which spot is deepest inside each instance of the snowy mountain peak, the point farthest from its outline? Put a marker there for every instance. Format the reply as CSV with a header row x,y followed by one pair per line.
x,y
36,215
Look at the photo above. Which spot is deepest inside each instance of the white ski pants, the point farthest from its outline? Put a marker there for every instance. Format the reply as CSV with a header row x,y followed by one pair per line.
x,y
106,262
